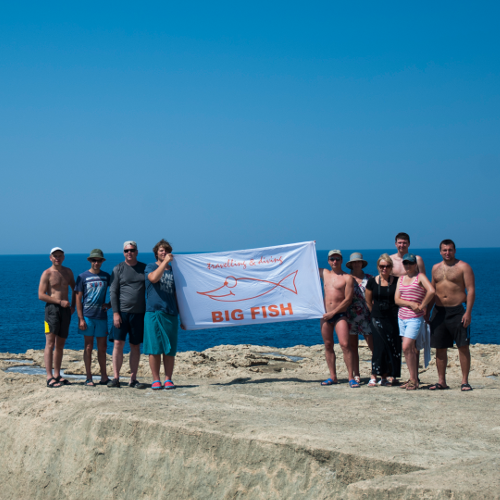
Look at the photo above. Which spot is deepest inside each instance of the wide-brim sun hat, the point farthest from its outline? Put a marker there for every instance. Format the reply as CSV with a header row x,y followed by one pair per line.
x,y
356,257
96,254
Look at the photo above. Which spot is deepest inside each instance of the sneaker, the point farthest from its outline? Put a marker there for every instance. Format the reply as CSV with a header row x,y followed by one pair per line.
x,y
114,383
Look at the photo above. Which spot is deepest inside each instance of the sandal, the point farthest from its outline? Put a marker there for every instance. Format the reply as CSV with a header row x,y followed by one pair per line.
x,y
438,387
329,381
404,384
373,382
55,385
384,383
466,388
169,385
353,384
89,383
411,386
63,381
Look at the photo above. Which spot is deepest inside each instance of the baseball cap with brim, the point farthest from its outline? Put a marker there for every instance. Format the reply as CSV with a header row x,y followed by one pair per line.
x,y
409,257
96,254
55,249
356,257
334,252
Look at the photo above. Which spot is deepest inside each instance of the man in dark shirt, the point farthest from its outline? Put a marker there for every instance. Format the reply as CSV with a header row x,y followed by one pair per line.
x,y
128,301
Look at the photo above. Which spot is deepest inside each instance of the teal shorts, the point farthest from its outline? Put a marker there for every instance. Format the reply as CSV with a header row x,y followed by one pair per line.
x,y
95,327
160,333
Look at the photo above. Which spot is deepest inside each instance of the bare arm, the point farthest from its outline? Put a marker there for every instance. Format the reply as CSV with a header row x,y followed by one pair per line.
x,y
321,272
349,294
369,299
156,275
421,265
470,286
79,309
431,291
114,298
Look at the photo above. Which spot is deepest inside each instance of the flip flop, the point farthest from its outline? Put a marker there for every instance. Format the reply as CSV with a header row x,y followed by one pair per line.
x,y
104,383
89,383
353,384
438,387
372,383
156,385
466,388
329,381
169,385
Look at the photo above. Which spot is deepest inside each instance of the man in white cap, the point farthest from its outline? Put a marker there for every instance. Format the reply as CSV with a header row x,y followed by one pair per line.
x,y
53,290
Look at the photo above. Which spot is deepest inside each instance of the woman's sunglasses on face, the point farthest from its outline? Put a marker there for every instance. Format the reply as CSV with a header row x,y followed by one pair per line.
x,y
384,267
406,263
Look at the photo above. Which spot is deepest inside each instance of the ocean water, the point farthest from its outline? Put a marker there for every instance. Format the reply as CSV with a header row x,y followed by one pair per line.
x,y
22,314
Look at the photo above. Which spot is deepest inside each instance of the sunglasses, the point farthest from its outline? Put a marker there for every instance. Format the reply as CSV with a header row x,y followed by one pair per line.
x,y
385,267
96,260
130,250
335,258
406,263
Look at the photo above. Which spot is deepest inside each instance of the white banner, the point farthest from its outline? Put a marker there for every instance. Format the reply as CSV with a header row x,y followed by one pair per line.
x,y
246,287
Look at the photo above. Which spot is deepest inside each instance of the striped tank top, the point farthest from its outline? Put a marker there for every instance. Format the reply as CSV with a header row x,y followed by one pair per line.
x,y
412,293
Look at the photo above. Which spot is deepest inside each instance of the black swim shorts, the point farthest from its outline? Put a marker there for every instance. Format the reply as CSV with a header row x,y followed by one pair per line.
x,y
446,327
57,320
337,318
133,325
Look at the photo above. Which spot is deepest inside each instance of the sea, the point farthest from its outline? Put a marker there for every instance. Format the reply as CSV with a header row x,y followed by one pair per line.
x,y
22,314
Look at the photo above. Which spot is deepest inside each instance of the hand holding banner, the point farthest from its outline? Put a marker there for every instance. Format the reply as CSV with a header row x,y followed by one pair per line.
x,y
261,285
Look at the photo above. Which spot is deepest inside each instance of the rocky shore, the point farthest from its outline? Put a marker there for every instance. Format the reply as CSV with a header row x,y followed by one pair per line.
x,y
253,422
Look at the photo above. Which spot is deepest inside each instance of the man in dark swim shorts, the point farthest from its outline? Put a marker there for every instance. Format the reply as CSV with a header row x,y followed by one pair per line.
x,y
53,290
339,292
453,280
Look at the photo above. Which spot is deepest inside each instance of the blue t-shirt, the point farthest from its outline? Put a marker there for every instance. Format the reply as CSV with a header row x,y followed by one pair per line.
x,y
94,287
160,296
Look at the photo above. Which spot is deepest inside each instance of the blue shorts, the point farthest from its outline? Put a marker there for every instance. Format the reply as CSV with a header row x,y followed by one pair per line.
x,y
95,327
410,328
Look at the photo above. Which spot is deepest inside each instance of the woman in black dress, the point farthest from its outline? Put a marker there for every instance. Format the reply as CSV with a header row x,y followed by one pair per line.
x,y
379,295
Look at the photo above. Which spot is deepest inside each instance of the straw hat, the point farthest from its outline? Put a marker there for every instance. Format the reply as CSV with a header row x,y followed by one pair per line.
x,y
356,257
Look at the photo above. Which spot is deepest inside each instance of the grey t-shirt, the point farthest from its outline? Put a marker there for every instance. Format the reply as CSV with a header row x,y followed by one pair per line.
x,y
128,288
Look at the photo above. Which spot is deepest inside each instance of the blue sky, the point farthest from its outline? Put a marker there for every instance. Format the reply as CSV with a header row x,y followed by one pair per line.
x,y
233,125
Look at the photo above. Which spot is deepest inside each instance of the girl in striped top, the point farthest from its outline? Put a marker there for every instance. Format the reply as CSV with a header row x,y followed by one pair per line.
x,y
413,293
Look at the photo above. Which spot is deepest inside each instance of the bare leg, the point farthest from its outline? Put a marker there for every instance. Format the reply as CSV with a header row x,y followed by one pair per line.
x,y
87,355
342,330
441,362
58,355
168,362
50,340
327,334
117,357
410,353
135,356
369,341
464,356
101,357
353,347
155,364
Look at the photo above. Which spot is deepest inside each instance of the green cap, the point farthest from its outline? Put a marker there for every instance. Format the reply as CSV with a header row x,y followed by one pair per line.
x,y
96,254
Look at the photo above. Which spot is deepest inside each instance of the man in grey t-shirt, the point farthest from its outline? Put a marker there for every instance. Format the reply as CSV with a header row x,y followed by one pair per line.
x,y
127,293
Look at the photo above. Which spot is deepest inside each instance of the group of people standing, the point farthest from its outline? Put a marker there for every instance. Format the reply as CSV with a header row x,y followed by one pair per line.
x,y
390,310
393,311
144,309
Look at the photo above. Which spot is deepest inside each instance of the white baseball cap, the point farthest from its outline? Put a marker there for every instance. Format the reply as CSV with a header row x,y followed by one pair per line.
x,y
55,249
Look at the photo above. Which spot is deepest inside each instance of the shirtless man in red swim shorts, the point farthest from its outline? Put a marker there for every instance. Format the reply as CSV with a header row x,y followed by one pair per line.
x,y
339,291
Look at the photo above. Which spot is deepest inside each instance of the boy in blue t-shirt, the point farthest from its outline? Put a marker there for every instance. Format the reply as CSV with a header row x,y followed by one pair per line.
x,y
90,289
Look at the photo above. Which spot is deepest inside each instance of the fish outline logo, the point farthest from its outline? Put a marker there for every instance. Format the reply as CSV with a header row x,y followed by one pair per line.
x,y
228,292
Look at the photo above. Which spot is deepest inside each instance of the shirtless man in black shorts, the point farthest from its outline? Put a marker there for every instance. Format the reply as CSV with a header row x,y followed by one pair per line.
x,y
450,321
53,290
339,291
